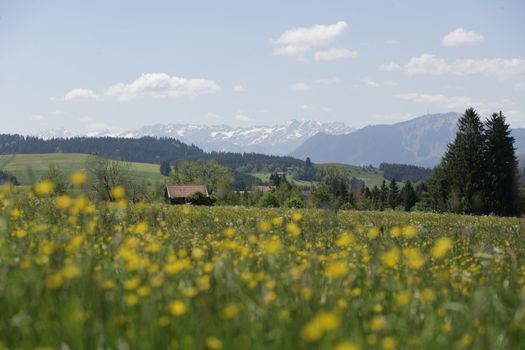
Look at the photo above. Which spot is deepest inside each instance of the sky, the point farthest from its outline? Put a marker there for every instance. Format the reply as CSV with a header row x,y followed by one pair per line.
x,y
89,66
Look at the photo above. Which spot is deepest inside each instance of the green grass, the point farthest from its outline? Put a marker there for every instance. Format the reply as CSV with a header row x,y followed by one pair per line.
x,y
155,276
30,167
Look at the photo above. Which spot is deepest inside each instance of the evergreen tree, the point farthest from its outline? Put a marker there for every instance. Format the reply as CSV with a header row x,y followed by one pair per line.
x,y
502,168
408,196
463,168
393,194
383,194
165,168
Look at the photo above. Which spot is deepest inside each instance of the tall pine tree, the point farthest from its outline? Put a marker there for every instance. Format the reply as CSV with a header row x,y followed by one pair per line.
x,y
502,168
463,165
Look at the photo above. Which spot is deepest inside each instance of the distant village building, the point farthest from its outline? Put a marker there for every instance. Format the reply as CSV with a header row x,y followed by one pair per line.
x,y
266,189
180,194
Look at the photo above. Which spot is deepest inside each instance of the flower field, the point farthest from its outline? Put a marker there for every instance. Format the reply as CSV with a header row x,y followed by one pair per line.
x,y
81,275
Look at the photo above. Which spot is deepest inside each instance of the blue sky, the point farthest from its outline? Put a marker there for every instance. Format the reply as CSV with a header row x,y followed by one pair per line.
x,y
119,65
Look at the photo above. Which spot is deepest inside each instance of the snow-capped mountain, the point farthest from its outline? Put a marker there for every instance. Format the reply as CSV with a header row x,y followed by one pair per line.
x,y
278,139
275,139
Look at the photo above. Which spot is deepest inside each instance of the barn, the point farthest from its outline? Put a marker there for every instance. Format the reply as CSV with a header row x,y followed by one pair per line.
x,y
182,194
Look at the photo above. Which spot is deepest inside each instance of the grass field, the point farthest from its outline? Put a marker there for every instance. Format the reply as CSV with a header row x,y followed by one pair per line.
x,y
80,275
31,167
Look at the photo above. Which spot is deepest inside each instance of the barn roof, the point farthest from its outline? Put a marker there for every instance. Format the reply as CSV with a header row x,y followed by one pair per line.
x,y
184,191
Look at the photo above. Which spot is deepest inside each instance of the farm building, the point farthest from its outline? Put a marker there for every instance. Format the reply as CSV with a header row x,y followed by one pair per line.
x,y
181,194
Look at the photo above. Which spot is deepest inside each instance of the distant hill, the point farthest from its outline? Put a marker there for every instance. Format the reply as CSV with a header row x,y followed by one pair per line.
x,y
144,150
30,167
420,141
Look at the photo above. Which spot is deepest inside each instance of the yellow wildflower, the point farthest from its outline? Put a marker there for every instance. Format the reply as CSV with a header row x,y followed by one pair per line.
x,y
442,246
177,308
213,343
293,229
78,177
44,188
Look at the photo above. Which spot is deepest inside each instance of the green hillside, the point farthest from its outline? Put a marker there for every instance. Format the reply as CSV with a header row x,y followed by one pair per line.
x,y
30,167
371,176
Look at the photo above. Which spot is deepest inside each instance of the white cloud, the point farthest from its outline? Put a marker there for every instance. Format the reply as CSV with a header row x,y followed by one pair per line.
x,y
300,87
458,103
238,88
80,94
390,67
372,83
328,81
161,85
460,36
313,36
334,54
37,118
392,42
500,68
290,50
306,108
427,64
297,41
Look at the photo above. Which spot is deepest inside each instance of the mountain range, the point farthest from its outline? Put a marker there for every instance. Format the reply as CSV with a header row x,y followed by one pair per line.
x,y
419,141
280,139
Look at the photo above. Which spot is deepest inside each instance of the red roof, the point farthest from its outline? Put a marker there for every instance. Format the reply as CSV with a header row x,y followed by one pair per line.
x,y
184,191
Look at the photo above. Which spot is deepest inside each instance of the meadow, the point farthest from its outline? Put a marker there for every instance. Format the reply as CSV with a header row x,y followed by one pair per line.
x,y
29,168
81,275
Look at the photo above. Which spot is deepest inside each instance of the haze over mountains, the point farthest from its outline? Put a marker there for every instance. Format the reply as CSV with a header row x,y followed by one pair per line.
x,y
420,141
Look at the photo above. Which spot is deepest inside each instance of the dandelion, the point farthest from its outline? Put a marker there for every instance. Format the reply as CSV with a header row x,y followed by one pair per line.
x,y
402,298
213,343
336,269
132,283
20,233
388,343
44,188
229,232
78,177
293,230
409,231
395,231
63,202
391,257
373,233
322,322
177,308
231,310
414,258
131,300
378,323
346,345
141,227
344,240
197,253
442,246
269,297
118,192
264,226
296,216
